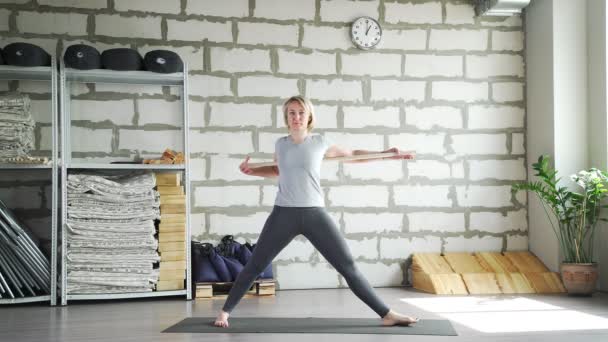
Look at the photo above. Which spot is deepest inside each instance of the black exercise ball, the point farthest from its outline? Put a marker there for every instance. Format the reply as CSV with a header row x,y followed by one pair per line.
x,y
163,61
82,57
122,59
25,54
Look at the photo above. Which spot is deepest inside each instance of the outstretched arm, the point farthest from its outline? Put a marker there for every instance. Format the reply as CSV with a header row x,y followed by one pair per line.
x,y
265,171
337,151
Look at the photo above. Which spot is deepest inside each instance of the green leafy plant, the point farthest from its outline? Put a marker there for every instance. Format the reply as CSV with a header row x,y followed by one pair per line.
x,y
573,215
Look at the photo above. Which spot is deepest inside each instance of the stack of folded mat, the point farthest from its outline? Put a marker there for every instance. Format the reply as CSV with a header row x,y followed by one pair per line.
x,y
16,127
111,243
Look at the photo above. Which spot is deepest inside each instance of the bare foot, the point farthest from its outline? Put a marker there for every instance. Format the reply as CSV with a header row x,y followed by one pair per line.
x,y
222,320
395,318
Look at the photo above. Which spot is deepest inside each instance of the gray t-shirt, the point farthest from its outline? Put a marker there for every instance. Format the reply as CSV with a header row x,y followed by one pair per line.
x,y
299,171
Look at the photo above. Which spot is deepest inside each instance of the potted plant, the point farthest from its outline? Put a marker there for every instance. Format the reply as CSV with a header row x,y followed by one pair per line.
x,y
574,217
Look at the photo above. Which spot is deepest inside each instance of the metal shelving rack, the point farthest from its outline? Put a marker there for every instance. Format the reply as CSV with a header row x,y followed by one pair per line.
x,y
8,73
68,76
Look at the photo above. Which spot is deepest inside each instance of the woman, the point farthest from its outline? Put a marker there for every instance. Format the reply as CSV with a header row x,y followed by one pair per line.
x,y
299,209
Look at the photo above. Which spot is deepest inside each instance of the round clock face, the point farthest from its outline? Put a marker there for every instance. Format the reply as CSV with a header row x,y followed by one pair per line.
x,y
366,33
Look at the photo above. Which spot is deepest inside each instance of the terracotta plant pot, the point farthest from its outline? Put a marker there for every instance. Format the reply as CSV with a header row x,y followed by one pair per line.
x,y
579,279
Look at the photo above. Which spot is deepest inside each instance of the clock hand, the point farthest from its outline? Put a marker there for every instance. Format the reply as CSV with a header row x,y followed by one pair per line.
x,y
368,27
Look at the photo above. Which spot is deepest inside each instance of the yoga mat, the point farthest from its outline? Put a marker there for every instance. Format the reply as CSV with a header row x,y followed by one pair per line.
x,y
309,325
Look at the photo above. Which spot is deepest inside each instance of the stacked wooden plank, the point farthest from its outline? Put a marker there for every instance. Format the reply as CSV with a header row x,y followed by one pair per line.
x,y
171,232
217,290
483,273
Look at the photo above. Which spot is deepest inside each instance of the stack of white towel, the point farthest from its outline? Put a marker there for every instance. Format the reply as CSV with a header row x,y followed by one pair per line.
x,y
16,126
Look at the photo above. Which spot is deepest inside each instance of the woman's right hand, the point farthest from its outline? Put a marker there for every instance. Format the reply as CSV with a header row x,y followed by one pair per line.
x,y
245,167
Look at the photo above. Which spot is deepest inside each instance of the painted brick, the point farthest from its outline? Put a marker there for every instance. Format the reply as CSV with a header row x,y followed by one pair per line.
x,y
131,27
197,169
437,222
229,8
394,248
203,85
269,194
458,170
3,86
458,39
267,141
517,143
479,143
359,117
347,11
118,112
329,171
325,116
497,169
459,14
510,21
150,141
484,196
225,196
197,31
365,248
370,142
224,168
297,276
373,64
221,142
57,23
484,116
45,139
521,197
267,34
191,55
197,113
387,170
508,91
429,169
517,243
91,140
380,274
425,13
432,65
4,14
494,65
392,90
70,3
197,226
421,143
414,39
235,225
34,87
152,111
372,223
507,40
239,60
474,244
297,250
41,110
358,196
422,195
433,117
240,114
334,90
127,89
267,86
460,91
21,197
284,9
326,38
317,63
167,6
499,223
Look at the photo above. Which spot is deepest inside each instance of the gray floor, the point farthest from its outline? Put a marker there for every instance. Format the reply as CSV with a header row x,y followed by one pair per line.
x,y
475,318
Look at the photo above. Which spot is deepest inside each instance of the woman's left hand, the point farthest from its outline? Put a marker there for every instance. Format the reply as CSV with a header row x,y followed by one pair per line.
x,y
400,154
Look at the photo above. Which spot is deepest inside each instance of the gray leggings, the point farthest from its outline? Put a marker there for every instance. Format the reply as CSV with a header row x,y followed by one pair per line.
x,y
284,224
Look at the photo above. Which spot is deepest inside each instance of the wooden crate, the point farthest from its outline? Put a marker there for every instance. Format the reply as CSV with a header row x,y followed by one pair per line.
x,y
219,290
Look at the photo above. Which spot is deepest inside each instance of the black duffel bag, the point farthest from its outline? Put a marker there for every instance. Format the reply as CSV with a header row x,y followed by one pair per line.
x,y
82,57
25,54
163,61
122,59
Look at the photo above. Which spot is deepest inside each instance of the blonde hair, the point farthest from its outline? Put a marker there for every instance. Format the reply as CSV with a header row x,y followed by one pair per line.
x,y
304,102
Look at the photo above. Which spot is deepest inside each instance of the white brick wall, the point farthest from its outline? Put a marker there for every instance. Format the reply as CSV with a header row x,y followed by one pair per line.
x,y
425,13
433,65
498,223
267,141
359,117
372,223
385,170
167,6
329,171
421,143
229,8
497,169
422,195
284,9
240,114
271,34
297,250
153,111
131,27
403,39
41,110
197,225
485,116
297,276
365,248
508,91
494,65
224,168
507,40
118,112
391,90
196,113
45,138
197,169
373,64
458,170
225,196
437,222
239,60
221,142
203,85
332,90
235,225
4,19
197,31
517,143
317,63
429,169
517,243
150,141
394,248
59,23
326,38
459,91
21,197
69,3
479,143
347,11
122,89
371,142
474,244
380,274
458,39
269,194
358,196
431,117
459,14
325,116
267,86
91,140
484,196
511,21
191,55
